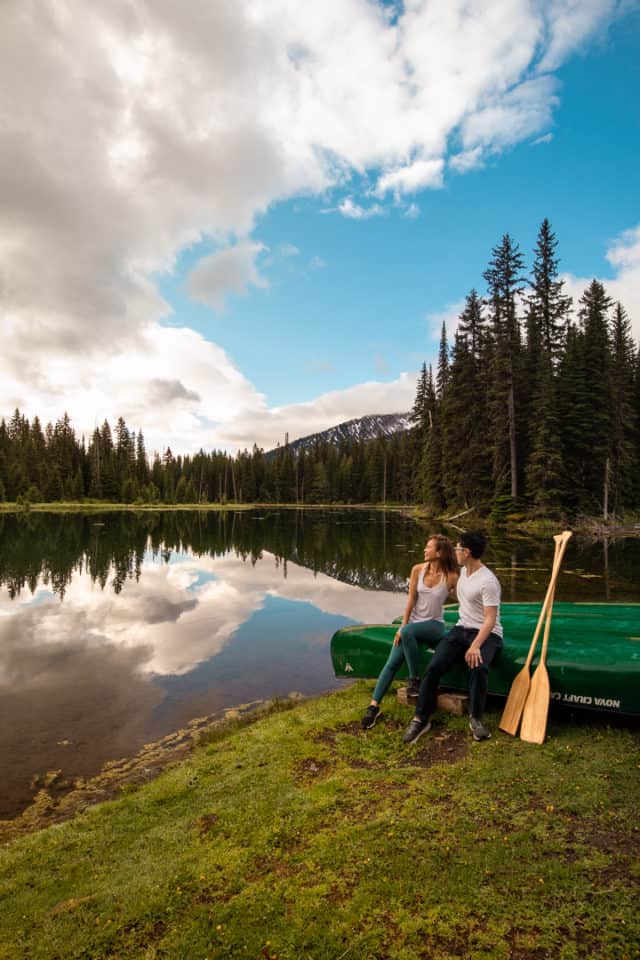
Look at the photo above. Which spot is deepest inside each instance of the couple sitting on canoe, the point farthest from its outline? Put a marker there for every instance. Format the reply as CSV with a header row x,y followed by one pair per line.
x,y
475,639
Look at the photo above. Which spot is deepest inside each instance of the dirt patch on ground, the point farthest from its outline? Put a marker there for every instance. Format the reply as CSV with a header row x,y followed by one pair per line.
x,y
329,735
624,847
206,824
310,768
441,748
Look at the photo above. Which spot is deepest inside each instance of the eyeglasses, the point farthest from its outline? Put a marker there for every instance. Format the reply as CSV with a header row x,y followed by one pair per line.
x,y
460,548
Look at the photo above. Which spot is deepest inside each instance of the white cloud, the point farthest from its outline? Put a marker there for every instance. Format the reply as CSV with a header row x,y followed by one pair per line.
x,y
172,384
624,256
268,426
467,160
355,212
131,130
449,316
231,270
317,263
569,23
547,138
511,117
417,176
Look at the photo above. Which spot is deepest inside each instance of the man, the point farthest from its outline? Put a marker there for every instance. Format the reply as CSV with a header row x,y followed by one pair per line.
x,y
475,640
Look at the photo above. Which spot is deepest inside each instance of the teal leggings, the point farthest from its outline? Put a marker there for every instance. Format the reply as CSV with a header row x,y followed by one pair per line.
x,y
425,631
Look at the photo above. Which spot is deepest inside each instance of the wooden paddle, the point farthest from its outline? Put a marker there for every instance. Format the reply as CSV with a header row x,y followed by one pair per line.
x,y
519,692
536,708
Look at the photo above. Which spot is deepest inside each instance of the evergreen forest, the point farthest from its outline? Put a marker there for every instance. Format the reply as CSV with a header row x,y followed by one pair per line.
x,y
534,406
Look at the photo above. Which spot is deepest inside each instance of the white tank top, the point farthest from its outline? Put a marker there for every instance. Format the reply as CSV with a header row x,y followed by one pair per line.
x,y
430,600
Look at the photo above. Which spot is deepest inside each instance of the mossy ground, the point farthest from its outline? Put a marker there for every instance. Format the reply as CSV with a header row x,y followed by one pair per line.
x,y
301,836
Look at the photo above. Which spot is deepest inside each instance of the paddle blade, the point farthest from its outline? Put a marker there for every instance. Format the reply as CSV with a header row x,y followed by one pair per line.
x,y
536,709
516,700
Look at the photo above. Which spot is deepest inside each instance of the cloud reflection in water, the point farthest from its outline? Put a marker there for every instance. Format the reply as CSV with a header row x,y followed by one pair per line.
x,y
95,676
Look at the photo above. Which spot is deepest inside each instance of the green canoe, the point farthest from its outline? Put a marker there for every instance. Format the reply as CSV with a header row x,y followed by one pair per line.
x,y
593,658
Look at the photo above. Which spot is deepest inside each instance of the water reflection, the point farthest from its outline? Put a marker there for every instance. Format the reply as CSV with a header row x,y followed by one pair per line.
x,y
115,631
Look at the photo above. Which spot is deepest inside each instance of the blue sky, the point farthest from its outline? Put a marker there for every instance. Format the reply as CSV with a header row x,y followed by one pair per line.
x,y
215,277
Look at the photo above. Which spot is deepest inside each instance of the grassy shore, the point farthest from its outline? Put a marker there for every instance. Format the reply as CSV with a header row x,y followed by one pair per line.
x,y
300,836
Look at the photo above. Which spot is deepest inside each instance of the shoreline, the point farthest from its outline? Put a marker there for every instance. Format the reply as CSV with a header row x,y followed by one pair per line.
x,y
57,800
591,527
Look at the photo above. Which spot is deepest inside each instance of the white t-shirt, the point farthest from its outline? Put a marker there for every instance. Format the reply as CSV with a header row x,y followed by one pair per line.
x,y
481,589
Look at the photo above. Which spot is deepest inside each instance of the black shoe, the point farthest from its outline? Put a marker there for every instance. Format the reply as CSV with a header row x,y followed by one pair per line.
x,y
478,729
370,717
415,730
413,687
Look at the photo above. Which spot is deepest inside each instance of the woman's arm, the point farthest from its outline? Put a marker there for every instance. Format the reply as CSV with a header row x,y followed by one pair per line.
x,y
452,583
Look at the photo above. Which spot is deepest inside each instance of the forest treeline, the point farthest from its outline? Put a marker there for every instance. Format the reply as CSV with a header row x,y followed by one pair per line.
x,y
535,405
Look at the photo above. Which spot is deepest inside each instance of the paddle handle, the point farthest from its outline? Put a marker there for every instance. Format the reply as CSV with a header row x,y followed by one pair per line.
x,y
561,540
562,546
545,639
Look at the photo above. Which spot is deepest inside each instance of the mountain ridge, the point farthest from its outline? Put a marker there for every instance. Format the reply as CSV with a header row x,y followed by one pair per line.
x,y
359,428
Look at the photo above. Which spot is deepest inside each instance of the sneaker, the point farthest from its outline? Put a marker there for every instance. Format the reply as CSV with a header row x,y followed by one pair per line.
x,y
370,717
415,730
413,687
478,729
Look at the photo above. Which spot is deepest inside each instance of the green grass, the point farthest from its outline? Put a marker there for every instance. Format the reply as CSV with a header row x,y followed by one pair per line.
x,y
300,836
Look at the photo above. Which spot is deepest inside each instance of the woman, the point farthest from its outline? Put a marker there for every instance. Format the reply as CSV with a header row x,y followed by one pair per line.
x,y
430,584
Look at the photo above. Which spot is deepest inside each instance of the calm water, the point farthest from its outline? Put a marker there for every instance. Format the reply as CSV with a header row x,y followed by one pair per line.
x,y
116,630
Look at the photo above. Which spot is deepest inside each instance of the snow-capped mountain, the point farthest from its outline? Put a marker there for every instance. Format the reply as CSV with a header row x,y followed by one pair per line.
x,y
362,428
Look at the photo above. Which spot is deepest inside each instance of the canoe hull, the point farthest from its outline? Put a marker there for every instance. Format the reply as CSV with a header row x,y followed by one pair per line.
x,y
593,659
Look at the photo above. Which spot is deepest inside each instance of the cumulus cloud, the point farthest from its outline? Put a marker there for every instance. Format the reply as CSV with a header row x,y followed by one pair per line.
x,y
268,426
163,391
172,384
467,160
514,116
183,122
449,316
231,270
410,179
354,211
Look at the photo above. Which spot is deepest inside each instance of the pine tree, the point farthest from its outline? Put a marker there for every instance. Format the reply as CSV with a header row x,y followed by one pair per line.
x,y
419,415
545,481
623,427
468,462
442,377
593,314
573,392
550,305
505,282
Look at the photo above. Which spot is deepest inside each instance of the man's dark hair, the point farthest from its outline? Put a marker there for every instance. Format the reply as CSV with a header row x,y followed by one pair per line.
x,y
475,541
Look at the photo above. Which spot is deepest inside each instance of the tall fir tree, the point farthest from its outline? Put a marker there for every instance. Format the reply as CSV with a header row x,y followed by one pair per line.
x,y
550,305
597,422
468,460
623,425
505,280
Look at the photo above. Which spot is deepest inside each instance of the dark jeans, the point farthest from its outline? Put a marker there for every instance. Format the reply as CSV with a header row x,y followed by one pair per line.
x,y
450,650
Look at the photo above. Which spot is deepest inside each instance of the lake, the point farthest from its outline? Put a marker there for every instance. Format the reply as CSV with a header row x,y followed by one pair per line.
x,y
118,628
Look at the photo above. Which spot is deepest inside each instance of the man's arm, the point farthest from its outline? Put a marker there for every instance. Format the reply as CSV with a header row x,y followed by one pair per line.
x,y
473,656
